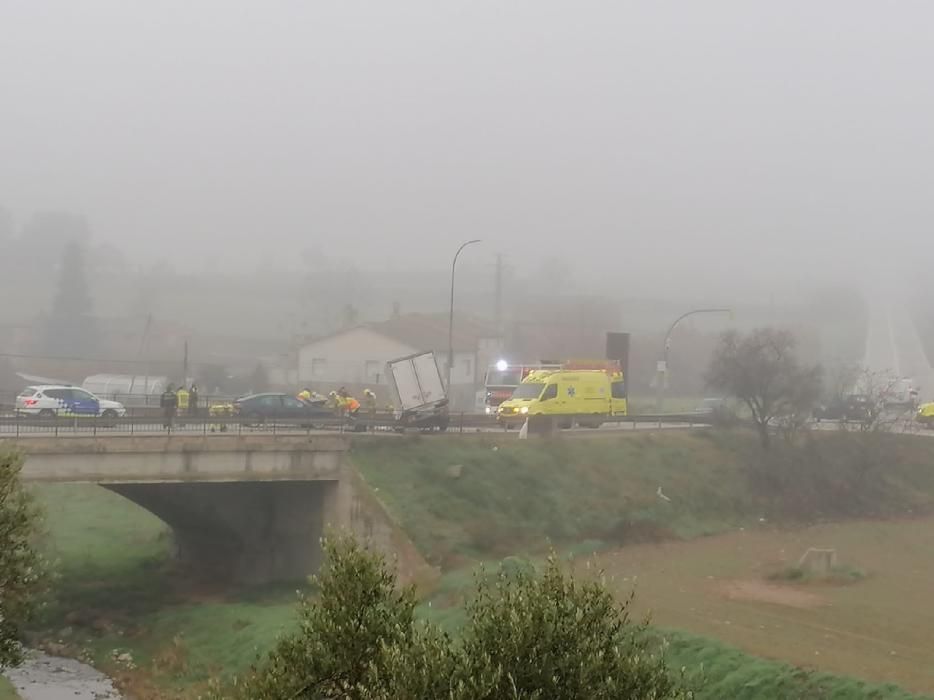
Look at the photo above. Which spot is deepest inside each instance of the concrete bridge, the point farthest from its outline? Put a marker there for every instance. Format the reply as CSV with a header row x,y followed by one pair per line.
x,y
248,509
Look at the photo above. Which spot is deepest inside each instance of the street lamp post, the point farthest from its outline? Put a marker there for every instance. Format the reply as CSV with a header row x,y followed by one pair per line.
x,y
662,378
451,316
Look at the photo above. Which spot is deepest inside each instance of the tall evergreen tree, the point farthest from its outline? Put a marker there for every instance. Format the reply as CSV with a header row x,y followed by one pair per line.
x,y
70,328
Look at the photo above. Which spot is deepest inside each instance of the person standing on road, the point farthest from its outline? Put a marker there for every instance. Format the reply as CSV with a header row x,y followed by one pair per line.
x,y
193,400
169,405
182,397
369,402
304,395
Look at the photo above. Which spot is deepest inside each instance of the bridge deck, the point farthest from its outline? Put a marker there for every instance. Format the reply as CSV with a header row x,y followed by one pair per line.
x,y
159,458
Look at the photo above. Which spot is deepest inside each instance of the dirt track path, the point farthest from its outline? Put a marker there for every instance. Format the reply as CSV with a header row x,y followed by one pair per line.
x,y
880,628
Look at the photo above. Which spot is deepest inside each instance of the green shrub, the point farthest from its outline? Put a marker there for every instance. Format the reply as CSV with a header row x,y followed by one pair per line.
x,y
549,637
527,637
21,567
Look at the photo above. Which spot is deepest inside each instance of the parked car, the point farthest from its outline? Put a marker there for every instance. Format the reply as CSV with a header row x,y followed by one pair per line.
x,y
850,407
50,401
260,408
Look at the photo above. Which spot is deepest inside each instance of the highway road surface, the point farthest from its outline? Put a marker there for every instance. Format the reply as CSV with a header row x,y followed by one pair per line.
x,y
893,347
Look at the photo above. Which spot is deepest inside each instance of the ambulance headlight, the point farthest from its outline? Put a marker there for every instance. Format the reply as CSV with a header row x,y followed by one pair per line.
x,y
488,409
524,409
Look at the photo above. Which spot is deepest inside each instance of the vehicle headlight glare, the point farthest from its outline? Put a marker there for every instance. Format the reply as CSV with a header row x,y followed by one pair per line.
x,y
524,409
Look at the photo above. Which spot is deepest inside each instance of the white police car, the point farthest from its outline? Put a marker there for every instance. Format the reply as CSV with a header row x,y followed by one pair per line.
x,y
49,401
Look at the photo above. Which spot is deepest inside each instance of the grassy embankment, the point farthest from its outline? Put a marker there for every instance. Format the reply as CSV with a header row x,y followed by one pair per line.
x,y
505,496
116,590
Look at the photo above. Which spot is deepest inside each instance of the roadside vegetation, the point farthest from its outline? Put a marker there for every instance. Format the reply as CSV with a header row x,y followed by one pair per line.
x,y
21,566
761,370
718,671
464,500
478,497
527,635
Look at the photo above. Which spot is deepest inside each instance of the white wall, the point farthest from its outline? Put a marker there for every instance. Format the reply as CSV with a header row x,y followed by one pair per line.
x,y
465,369
357,356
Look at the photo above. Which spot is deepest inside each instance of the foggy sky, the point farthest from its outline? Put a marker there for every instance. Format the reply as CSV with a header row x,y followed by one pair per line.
x,y
684,144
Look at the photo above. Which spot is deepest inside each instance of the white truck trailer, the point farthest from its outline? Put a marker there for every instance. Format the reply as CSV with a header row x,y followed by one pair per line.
x,y
420,399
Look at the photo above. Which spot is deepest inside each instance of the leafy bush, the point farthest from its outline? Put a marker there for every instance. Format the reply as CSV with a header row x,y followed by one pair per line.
x,y
20,565
528,637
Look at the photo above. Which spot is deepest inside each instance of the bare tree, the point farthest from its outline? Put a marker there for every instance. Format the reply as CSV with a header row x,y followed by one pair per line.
x,y
761,370
883,414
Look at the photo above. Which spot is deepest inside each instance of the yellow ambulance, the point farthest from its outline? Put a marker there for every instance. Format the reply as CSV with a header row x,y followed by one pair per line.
x,y
582,396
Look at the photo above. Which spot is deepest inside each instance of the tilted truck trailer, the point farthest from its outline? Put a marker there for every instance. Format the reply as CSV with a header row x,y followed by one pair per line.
x,y
420,399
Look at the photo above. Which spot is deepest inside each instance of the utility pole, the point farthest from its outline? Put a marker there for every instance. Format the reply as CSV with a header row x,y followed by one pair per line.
x,y
144,348
185,365
498,291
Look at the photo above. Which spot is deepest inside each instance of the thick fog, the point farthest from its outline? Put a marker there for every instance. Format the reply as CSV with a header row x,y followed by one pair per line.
x,y
689,145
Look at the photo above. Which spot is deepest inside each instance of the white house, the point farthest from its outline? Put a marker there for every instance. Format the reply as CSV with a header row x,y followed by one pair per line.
x,y
357,357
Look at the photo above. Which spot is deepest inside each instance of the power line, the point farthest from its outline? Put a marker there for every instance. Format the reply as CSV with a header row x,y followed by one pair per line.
x,y
58,358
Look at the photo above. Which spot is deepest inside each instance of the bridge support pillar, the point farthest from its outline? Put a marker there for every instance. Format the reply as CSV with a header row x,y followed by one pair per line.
x,y
250,532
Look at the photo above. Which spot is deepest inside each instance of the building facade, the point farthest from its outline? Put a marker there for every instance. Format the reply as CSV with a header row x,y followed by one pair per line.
x,y
357,357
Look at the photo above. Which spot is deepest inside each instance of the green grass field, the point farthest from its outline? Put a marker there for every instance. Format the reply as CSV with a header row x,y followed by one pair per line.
x,y
117,589
7,691
720,672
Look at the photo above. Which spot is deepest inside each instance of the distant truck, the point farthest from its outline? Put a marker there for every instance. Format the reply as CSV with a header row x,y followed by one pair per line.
x,y
420,399
130,390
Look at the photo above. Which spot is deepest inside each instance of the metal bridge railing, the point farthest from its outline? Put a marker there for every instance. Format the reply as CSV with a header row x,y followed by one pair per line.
x,y
68,426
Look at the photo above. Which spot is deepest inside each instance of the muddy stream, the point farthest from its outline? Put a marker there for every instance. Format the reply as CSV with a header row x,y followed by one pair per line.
x,y
44,677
